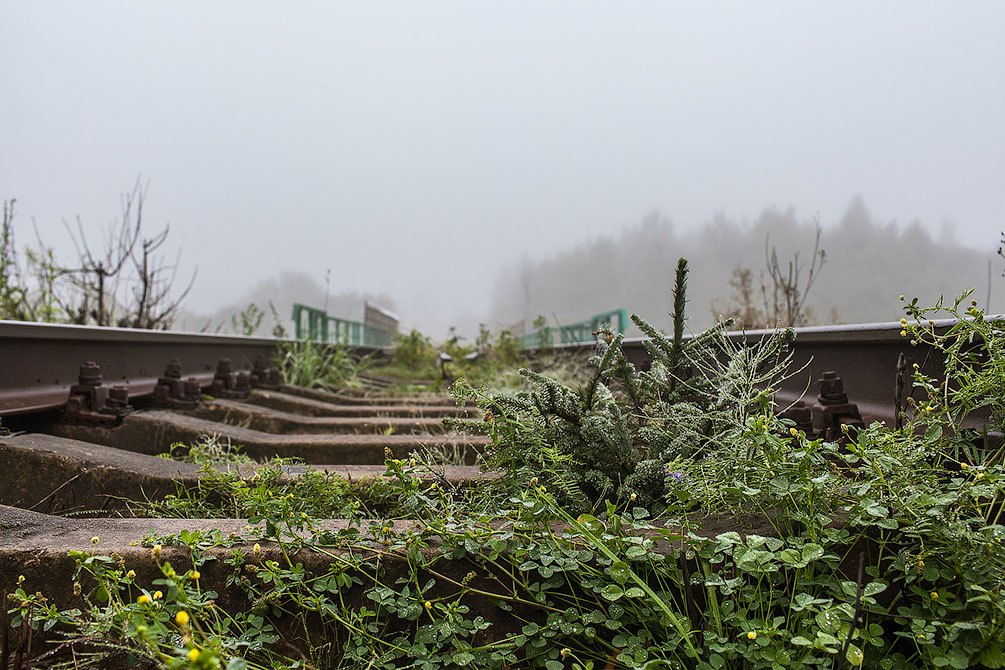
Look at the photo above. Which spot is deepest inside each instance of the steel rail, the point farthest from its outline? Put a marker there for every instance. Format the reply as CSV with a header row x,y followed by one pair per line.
x,y
39,362
864,356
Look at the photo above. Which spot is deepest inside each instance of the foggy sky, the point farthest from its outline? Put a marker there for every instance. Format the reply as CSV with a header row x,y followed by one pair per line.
x,y
417,149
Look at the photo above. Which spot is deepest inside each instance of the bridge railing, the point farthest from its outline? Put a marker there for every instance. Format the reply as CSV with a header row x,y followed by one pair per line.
x,y
573,333
316,325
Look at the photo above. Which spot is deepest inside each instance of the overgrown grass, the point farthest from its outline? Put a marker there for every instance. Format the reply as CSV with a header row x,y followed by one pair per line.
x,y
322,366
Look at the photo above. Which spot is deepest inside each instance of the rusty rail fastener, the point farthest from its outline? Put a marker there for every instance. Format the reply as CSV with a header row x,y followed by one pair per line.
x,y
173,391
265,376
92,402
227,384
832,409
802,414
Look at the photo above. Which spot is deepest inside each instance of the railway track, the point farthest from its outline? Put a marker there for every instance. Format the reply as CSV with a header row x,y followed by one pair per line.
x,y
90,410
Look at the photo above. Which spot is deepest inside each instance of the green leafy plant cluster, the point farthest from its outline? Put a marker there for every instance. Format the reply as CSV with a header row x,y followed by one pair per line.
x,y
612,437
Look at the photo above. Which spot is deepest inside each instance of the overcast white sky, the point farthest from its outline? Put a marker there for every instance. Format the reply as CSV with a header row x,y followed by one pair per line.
x,y
417,147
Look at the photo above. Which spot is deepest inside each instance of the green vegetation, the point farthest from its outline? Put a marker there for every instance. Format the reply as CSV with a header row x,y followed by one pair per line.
x,y
645,519
321,366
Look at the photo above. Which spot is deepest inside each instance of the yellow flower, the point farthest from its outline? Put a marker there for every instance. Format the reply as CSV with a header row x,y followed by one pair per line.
x,y
751,635
565,652
194,574
633,497
903,333
935,595
979,475
257,549
20,580
793,432
903,322
901,297
94,540
155,553
182,618
193,654
964,466
428,605
143,599
134,544
158,595
131,574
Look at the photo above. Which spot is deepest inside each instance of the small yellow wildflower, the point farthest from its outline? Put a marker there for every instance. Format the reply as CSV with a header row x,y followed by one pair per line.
x,y
903,333
935,595
94,540
793,432
257,549
979,475
194,574
543,489
158,595
751,635
181,618
131,574
428,605
20,580
964,466
565,652
155,553
143,599
901,297
134,544
633,497
193,654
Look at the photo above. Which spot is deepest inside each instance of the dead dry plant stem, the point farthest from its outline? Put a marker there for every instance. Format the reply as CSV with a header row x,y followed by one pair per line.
x,y
787,304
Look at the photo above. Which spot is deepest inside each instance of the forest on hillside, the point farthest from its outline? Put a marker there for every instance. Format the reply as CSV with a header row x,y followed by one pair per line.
x,y
864,267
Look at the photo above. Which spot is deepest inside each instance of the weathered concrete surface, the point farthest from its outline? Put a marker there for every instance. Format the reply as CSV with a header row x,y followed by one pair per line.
x,y
58,475
297,403
154,432
36,546
269,420
359,397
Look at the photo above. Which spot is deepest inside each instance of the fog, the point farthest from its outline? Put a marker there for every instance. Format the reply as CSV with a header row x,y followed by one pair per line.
x,y
426,152
867,265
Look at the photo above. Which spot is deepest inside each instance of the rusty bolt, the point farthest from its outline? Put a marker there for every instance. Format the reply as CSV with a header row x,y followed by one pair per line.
x,y
90,374
832,389
173,370
118,395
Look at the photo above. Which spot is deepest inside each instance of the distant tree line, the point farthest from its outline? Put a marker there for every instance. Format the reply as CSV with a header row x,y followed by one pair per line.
x,y
767,271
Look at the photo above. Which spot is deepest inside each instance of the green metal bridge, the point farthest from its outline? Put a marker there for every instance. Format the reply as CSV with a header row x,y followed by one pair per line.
x,y
316,325
575,333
